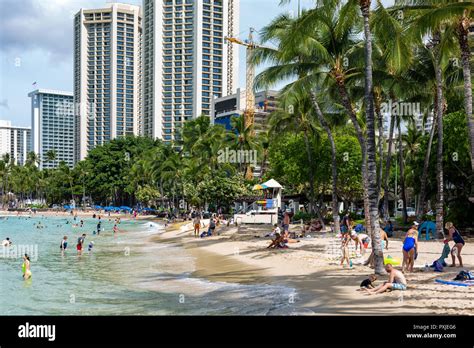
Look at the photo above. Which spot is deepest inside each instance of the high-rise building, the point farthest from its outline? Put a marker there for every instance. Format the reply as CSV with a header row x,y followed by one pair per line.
x,y
225,108
52,126
187,61
107,74
15,141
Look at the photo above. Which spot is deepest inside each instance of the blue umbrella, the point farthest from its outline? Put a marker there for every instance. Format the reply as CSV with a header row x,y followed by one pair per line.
x,y
123,207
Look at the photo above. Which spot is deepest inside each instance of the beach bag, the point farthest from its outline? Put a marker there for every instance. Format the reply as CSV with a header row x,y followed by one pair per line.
x,y
464,275
438,267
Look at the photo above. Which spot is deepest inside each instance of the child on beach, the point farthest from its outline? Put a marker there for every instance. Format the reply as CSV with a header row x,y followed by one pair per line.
x,y
63,245
369,282
345,249
91,245
396,281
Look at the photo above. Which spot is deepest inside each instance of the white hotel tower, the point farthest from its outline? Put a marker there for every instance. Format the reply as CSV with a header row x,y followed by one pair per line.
x,y
186,61
107,75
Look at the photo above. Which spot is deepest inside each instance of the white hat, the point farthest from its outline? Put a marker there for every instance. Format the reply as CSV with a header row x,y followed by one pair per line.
x,y
415,223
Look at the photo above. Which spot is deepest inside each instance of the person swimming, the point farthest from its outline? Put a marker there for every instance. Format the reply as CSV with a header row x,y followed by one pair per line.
x,y
7,242
25,267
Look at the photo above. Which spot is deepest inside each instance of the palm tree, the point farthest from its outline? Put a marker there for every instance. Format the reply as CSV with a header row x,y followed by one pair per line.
x,y
244,140
296,115
455,16
51,156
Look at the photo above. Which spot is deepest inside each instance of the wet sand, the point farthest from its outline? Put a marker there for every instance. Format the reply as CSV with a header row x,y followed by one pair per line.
x,y
322,286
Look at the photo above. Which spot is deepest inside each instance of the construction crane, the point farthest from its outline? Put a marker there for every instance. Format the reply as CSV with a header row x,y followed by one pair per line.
x,y
249,77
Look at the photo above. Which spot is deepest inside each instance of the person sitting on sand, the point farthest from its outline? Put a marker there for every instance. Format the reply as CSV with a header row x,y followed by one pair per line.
x,y
396,281
278,243
286,236
276,230
369,282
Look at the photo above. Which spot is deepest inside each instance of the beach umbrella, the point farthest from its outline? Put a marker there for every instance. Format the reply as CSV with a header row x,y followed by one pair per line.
x,y
124,207
259,187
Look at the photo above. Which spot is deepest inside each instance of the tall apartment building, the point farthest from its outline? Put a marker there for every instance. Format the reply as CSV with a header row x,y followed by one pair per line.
x,y
107,74
187,61
15,141
52,126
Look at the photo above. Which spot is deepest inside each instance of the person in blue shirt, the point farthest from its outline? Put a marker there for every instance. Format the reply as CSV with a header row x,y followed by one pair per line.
x,y
388,228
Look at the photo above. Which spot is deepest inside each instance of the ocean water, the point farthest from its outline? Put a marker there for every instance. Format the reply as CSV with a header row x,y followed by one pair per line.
x,y
123,275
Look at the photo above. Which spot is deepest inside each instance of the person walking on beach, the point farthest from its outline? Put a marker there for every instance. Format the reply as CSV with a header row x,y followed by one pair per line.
x,y
25,267
410,247
286,221
396,281
197,224
80,244
346,223
459,243
345,249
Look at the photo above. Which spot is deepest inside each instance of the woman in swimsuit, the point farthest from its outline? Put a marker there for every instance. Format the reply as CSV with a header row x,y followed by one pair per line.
x,y
459,242
25,267
410,243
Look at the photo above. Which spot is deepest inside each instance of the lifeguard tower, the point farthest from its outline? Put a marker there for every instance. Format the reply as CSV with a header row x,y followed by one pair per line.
x,y
263,210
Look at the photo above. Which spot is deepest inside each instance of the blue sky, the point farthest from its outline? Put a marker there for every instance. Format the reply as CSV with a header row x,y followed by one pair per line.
x,y
36,45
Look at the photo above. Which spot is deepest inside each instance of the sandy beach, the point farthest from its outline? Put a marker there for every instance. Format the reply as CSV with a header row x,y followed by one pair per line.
x,y
312,268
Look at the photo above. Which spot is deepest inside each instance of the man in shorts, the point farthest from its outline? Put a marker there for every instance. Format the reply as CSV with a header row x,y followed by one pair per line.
x,y
396,281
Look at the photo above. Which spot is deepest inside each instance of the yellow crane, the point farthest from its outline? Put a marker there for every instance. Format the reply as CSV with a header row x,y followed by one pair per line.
x,y
249,77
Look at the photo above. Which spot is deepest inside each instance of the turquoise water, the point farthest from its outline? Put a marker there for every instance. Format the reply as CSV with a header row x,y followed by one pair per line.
x,y
123,275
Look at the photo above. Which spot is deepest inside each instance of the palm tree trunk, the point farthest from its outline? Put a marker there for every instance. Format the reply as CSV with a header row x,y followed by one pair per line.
x,y
311,173
387,168
380,129
439,161
424,176
402,174
346,102
322,120
371,148
463,31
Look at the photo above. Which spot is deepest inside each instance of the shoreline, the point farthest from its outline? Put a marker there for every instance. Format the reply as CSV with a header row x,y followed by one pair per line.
x,y
321,285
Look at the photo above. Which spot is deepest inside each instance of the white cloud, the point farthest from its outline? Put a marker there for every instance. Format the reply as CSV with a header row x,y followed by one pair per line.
x,y
47,25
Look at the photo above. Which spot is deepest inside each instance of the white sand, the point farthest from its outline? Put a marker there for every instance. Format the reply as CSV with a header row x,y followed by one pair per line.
x,y
323,286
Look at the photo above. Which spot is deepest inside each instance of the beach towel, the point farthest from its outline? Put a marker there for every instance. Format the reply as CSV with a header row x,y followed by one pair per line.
x,y
455,283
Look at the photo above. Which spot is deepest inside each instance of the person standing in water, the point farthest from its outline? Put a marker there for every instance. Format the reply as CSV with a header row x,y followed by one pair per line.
x,y
63,245
25,267
80,243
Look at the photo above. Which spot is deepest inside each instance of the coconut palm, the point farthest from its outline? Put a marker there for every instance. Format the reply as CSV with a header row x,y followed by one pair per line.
x,y
51,156
456,17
